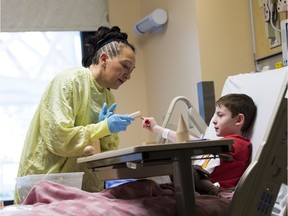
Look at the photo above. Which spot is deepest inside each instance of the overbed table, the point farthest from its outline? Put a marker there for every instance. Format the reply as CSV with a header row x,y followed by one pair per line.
x,y
156,160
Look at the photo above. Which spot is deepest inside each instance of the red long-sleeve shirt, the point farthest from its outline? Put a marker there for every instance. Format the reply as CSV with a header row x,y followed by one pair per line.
x,y
228,173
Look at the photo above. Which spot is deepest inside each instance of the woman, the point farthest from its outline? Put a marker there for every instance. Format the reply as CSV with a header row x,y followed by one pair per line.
x,y
70,117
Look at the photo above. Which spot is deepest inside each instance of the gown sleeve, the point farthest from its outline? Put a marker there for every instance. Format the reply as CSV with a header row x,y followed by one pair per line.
x,y
66,102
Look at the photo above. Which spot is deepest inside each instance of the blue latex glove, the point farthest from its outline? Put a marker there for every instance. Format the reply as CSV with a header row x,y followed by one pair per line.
x,y
105,112
117,123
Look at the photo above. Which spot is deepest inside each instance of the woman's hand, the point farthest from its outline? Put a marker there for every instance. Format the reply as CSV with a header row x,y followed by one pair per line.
x,y
117,123
105,112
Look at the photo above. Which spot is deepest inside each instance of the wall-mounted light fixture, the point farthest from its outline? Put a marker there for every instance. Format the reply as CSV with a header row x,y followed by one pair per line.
x,y
153,22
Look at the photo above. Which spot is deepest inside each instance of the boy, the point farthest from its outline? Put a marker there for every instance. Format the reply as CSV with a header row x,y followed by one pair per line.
x,y
234,113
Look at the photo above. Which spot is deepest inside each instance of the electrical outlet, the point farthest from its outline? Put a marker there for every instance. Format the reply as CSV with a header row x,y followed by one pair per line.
x,y
266,11
282,5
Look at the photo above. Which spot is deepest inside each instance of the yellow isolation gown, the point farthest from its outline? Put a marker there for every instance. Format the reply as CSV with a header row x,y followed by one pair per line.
x,y
65,122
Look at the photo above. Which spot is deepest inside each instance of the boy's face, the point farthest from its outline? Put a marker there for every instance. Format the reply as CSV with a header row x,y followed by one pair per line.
x,y
223,122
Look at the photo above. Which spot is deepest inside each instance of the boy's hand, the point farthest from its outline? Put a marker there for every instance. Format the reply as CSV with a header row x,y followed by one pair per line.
x,y
204,174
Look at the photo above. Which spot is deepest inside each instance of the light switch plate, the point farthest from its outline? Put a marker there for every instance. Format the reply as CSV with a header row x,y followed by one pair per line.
x,y
282,5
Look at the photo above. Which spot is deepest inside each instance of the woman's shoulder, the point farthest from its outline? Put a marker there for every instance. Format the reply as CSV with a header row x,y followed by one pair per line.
x,y
74,72
72,75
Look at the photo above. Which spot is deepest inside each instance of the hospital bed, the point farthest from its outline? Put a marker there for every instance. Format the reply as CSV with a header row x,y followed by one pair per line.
x,y
255,194
257,190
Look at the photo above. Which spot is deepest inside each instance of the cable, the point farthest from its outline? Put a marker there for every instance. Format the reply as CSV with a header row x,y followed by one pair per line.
x,y
273,11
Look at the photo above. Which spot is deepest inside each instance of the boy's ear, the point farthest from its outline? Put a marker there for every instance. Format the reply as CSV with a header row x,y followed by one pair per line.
x,y
240,119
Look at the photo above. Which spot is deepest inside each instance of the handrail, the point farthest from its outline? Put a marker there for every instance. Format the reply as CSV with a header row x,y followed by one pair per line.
x,y
201,125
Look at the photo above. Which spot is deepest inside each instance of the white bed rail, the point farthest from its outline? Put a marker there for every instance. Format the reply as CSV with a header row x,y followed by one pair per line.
x,y
195,121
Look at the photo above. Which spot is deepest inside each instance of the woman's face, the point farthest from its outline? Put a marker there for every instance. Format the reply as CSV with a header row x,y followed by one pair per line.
x,y
118,69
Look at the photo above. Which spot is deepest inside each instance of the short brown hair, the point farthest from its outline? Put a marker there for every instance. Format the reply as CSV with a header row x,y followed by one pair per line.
x,y
239,103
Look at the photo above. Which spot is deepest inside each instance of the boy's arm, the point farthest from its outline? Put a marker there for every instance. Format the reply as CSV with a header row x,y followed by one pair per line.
x,y
150,124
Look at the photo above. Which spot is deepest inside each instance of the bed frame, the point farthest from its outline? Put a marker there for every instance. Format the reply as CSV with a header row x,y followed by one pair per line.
x,y
257,190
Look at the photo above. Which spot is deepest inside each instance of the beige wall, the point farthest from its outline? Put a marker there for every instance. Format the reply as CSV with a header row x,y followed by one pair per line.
x,y
171,58
132,96
226,43
203,40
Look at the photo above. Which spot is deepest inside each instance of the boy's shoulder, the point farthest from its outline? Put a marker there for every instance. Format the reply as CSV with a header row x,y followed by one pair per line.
x,y
238,139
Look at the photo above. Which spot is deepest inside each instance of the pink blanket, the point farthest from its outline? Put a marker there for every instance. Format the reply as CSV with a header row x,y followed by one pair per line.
x,y
142,197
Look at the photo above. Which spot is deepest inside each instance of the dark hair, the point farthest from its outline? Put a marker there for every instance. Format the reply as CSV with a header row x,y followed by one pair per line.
x,y
109,40
239,103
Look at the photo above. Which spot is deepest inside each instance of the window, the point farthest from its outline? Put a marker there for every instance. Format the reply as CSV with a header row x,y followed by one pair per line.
x,y
28,61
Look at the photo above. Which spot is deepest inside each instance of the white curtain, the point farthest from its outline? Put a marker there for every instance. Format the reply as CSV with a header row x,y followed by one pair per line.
x,y
52,15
